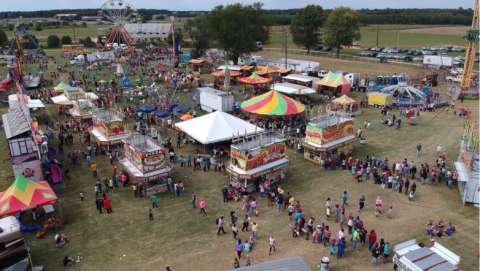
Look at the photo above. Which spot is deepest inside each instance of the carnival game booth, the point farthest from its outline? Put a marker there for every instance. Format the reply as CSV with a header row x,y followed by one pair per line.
x,y
333,83
198,65
344,106
108,128
327,137
219,77
411,256
256,81
260,159
145,161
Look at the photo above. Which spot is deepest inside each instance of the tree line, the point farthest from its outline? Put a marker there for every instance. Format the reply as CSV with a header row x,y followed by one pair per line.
x,y
237,28
458,16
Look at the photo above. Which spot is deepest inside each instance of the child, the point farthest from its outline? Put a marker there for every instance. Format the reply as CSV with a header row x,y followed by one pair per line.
x,y
390,212
82,196
333,247
150,214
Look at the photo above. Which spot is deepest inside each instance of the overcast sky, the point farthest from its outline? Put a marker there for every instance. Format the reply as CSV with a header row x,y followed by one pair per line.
x,y
29,5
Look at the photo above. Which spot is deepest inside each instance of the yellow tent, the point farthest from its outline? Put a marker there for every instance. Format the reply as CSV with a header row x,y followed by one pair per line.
x,y
379,98
344,100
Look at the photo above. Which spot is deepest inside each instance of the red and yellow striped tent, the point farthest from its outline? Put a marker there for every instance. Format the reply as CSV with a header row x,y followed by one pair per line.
x,y
25,194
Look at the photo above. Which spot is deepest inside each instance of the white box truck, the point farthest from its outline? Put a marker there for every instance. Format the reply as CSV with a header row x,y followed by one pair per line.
x,y
215,100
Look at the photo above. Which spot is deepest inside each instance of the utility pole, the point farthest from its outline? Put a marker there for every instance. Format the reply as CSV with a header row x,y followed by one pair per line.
x,y
285,42
398,38
172,18
378,30
74,32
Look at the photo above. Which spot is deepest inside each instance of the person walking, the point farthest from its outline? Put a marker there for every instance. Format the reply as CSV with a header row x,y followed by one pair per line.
x,y
419,149
372,239
220,225
341,248
194,200
246,223
239,248
345,198
272,245
203,205
107,204
361,203
154,201
150,214
234,231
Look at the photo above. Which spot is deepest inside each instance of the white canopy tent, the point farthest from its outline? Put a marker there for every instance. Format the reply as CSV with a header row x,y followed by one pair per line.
x,y
32,103
216,127
61,100
230,67
289,88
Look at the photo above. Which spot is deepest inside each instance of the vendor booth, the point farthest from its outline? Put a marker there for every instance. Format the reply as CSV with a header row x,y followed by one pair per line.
x,y
344,106
257,160
411,256
255,80
334,83
198,65
145,161
327,137
108,128
379,99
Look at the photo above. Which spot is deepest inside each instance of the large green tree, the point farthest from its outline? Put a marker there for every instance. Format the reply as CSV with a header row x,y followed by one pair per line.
x,y
236,28
3,38
305,26
197,30
66,40
53,41
342,28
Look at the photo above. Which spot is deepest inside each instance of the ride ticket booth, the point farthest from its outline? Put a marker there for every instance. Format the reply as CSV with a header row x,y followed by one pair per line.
x,y
328,136
259,159
145,162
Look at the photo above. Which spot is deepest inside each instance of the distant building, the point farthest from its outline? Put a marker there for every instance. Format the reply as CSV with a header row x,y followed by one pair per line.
x,y
91,18
149,30
66,16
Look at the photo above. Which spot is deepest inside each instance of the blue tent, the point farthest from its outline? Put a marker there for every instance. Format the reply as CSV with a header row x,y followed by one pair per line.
x,y
172,106
180,109
161,114
146,108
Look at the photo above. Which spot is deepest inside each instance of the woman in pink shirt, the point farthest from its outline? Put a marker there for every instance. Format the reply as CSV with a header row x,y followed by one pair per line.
x,y
203,205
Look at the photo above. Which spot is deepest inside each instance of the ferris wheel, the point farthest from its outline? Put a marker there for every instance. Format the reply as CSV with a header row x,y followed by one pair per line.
x,y
118,11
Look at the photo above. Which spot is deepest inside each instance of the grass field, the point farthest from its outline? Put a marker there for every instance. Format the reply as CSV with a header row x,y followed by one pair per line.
x,y
409,36
185,240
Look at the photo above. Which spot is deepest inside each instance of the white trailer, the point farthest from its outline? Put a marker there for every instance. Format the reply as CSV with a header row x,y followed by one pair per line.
x,y
437,61
215,100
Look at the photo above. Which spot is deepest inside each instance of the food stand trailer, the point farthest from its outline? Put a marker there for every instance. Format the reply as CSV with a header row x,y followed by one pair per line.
x,y
145,162
328,136
108,128
255,160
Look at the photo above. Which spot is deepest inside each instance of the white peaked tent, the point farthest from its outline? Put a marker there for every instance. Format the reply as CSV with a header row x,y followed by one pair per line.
x,y
216,127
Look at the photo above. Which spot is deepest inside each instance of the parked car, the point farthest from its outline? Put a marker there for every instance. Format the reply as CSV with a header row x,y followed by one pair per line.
x,y
453,79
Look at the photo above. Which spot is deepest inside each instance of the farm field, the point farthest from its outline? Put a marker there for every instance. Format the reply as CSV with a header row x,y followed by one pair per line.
x,y
414,36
